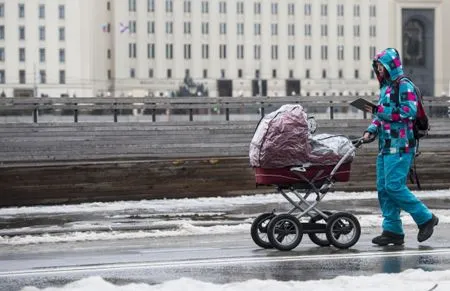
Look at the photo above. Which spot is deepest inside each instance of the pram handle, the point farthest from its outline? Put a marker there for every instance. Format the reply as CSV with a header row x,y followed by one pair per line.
x,y
359,141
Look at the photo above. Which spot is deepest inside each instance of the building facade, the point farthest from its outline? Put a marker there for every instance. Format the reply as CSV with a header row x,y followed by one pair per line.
x,y
232,47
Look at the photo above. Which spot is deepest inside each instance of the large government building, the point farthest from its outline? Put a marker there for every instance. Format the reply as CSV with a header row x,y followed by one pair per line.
x,y
231,47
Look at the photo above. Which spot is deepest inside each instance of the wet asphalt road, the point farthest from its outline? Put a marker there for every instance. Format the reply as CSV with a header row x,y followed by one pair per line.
x,y
212,258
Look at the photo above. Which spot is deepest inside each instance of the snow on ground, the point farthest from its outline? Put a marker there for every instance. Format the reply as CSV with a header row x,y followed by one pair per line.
x,y
409,280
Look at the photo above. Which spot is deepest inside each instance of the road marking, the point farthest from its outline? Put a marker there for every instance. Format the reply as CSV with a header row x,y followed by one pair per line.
x,y
219,261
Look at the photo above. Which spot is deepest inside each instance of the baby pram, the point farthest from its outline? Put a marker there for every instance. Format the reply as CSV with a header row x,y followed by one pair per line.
x,y
305,166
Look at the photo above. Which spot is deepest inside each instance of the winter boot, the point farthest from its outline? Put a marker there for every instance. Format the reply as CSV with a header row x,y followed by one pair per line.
x,y
388,237
426,229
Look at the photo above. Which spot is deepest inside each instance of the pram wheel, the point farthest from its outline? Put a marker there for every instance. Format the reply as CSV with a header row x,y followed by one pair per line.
x,y
319,238
285,232
343,230
259,230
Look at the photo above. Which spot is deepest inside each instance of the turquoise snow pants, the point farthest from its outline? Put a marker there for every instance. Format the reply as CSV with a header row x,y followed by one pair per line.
x,y
394,195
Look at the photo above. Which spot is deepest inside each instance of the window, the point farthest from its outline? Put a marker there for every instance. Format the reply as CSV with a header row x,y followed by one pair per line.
x,y
356,31
205,7
274,52
257,8
324,74
21,32
222,73
239,73
187,28
274,8
307,29
42,55
151,27
205,28
187,51
62,56
240,7
151,51
62,77
2,54
257,28
132,27
169,27
372,52
169,73
372,74
274,28
222,7
169,6
150,73
151,5
132,73
356,53
291,29
340,74
240,51
257,52
324,30
356,74
109,74
62,34
41,33
205,73
223,28
205,51
108,6
291,9
169,51
132,50
240,28
340,10
291,52
307,74
42,77
21,10
2,10
22,55
2,32
132,5
41,11
373,31
324,10
274,73
187,6
108,53
223,51
307,9
340,52
307,52
324,52
356,10
62,11
22,77
291,74
373,11
340,30
257,74
2,77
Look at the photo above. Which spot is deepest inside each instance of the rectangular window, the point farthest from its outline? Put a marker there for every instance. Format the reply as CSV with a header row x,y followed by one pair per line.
x,y
240,52
356,10
239,73
21,32
2,54
356,74
223,51
108,53
151,5
62,77
109,74
291,29
291,9
257,28
274,73
222,73
307,74
132,50
151,27
187,51
42,77
205,28
151,50
150,73
307,52
187,6
205,7
324,74
41,33
373,11
2,77
132,27
223,28
257,52
274,8
22,55
41,11
340,10
307,29
307,9
324,52
324,30
205,51
373,31
2,10
42,55
132,5
291,52
372,52
274,52
169,51
205,73
340,30
324,10
240,7
356,53
222,7
21,10
356,32
291,75
187,28
62,12
340,74
62,34
257,74
274,28
62,56
132,73
340,52
169,73
169,6
2,32
240,28
257,8
169,27
22,77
